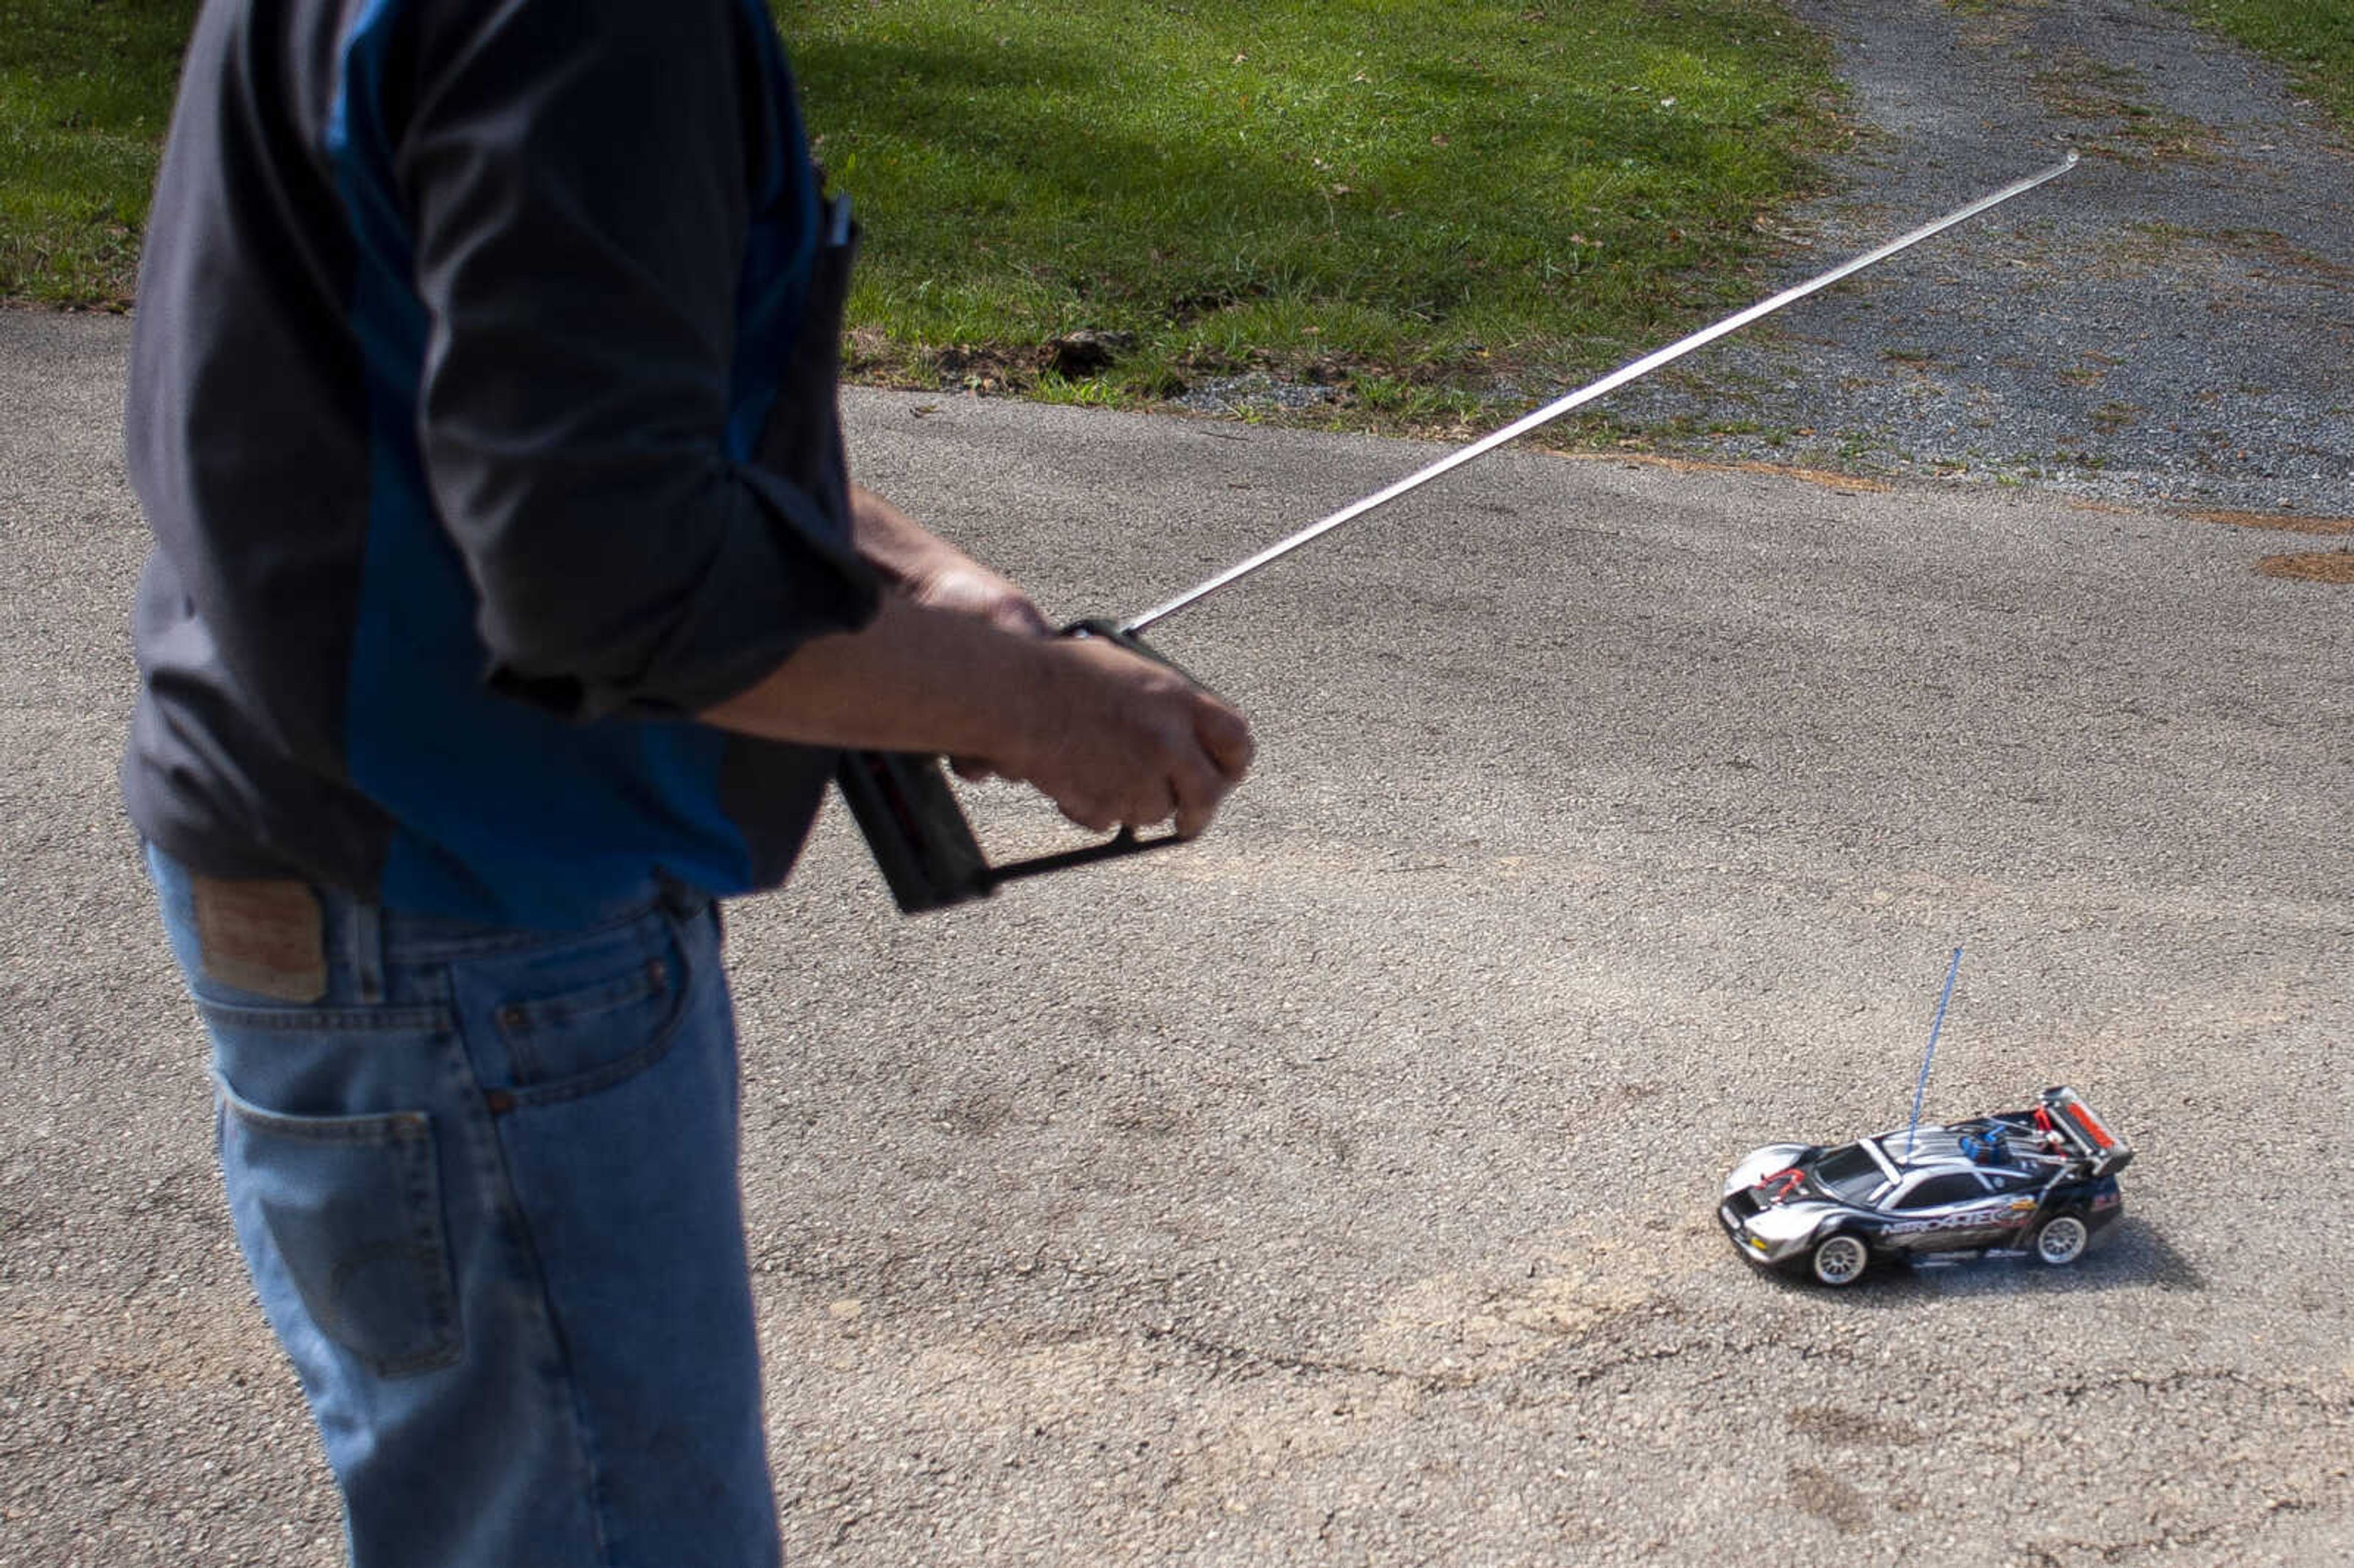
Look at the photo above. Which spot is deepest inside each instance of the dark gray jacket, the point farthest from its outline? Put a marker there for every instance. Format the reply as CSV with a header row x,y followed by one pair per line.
x,y
482,405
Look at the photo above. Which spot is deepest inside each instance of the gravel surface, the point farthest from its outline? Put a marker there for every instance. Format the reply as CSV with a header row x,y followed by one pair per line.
x,y
2173,322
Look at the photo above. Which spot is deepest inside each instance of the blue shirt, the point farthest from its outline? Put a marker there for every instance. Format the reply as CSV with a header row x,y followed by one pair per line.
x,y
482,407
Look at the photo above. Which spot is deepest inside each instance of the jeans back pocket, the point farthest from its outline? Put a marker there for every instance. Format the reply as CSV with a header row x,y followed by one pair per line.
x,y
352,1208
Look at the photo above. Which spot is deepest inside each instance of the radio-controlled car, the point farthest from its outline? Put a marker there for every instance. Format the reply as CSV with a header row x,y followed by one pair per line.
x,y
2042,1181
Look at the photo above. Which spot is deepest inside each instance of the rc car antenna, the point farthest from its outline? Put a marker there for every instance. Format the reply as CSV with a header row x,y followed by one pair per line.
x,y
1930,1055
1588,393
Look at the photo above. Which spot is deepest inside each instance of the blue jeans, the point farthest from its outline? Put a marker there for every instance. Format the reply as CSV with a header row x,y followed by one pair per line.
x,y
485,1181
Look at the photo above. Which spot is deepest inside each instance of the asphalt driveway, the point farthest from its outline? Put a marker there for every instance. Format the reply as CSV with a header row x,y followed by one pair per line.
x,y
1339,1189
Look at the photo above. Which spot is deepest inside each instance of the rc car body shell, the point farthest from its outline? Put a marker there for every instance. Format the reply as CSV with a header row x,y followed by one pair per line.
x,y
2041,1180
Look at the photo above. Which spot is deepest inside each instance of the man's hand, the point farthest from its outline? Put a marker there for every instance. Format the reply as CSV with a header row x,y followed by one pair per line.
x,y
958,661
1125,742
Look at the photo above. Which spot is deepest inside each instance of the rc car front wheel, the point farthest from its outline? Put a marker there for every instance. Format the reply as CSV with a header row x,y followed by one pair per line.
x,y
2061,1240
1839,1260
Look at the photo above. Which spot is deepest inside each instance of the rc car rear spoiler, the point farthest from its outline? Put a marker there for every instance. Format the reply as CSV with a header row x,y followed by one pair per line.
x,y
2086,1134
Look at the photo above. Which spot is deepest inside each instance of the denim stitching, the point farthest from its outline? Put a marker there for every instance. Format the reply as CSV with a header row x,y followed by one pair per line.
x,y
560,1009
428,1250
416,1020
638,1060
408,1136
380,1128
487,1154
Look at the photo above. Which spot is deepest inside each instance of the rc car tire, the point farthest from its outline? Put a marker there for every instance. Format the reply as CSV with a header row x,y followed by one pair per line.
x,y
2060,1240
1839,1260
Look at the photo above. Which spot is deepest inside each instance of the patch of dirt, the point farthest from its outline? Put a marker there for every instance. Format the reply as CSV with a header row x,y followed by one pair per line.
x,y
1853,1428
2333,566
1817,1492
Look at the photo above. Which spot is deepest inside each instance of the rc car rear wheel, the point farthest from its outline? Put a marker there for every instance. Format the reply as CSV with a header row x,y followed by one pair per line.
x,y
1839,1260
2061,1240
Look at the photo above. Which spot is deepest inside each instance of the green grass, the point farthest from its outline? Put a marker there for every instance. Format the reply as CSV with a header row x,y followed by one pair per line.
x,y
85,94
1422,207
1397,197
1411,203
2314,38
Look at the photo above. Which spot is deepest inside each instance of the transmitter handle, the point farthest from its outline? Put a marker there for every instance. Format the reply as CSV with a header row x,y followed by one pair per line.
x,y
922,842
919,835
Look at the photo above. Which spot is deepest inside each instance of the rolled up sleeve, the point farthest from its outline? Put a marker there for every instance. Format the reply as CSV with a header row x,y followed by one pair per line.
x,y
578,177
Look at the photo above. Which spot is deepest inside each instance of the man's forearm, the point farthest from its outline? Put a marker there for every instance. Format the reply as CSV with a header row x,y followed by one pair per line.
x,y
904,549
941,668
958,662
914,678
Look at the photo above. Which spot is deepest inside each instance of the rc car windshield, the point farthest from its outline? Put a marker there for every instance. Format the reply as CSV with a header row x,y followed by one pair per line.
x,y
1850,1174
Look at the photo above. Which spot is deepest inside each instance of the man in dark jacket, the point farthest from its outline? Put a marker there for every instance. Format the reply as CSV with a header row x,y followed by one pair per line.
x,y
510,595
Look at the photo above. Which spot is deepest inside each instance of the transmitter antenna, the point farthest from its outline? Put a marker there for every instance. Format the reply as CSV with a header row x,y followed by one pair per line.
x,y
1634,371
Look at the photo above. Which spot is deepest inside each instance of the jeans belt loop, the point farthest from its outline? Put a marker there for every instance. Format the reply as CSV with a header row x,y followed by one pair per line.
x,y
363,928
